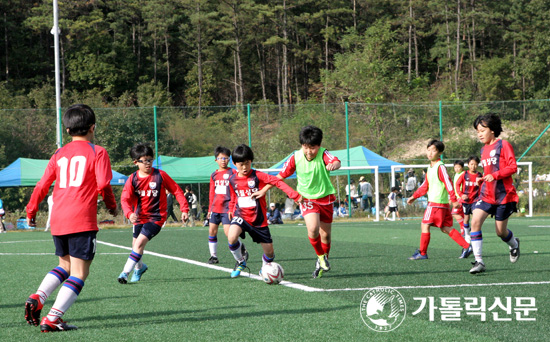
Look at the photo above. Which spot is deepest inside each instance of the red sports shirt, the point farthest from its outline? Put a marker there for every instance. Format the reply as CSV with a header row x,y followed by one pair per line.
x,y
81,171
467,185
443,177
146,197
289,166
254,211
221,197
498,160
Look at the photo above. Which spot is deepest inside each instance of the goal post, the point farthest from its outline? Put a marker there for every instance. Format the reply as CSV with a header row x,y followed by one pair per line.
x,y
338,172
403,168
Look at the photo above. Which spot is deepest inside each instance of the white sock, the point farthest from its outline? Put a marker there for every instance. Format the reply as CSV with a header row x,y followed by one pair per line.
x,y
133,259
237,254
467,235
477,246
139,265
51,281
65,298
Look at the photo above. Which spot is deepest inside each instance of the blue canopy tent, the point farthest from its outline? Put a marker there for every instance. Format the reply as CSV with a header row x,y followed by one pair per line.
x,y
189,170
27,172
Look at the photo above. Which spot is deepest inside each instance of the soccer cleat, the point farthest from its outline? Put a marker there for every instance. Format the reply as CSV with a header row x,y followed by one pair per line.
x,y
239,267
33,307
123,278
514,252
213,260
323,262
57,325
136,276
478,267
418,256
318,273
244,252
466,252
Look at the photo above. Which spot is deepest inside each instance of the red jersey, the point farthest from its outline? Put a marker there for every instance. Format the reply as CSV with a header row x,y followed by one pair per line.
x,y
498,160
467,185
250,210
146,197
443,177
289,166
220,194
81,171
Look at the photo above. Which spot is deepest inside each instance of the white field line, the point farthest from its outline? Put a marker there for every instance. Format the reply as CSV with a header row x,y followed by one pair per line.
x,y
54,253
50,240
214,267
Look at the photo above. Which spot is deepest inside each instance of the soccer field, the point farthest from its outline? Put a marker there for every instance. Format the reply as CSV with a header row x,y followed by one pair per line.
x,y
183,298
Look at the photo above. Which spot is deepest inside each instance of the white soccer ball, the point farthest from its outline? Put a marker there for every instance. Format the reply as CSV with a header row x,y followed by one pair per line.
x,y
272,273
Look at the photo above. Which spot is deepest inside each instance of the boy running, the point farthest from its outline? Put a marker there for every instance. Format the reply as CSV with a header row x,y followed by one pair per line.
x,y
81,171
439,188
250,213
468,191
220,200
312,164
498,195
144,203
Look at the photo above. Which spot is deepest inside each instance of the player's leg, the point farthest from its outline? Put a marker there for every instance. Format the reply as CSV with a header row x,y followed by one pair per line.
x,y
422,252
235,248
54,278
478,218
138,247
455,235
501,226
269,253
213,241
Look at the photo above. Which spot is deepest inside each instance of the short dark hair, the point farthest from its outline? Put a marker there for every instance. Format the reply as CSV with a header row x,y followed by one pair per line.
x,y
242,153
78,119
476,158
221,150
311,135
491,121
439,145
459,162
141,150
395,188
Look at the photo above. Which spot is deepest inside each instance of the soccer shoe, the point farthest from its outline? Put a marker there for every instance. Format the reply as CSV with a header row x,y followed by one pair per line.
x,y
244,252
123,278
466,253
514,252
136,276
33,307
478,267
323,262
57,325
418,256
318,273
238,269
213,260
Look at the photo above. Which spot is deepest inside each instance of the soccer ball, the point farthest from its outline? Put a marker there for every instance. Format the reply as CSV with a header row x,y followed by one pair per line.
x,y
272,273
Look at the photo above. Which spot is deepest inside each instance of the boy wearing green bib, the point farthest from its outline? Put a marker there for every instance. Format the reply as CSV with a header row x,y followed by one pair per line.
x,y
439,188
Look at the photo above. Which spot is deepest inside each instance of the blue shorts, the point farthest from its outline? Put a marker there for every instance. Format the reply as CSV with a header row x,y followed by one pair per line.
x,y
80,245
148,229
501,212
467,208
217,218
258,234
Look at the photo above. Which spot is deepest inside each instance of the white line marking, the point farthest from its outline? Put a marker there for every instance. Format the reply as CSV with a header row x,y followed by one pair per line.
x,y
27,241
539,226
214,267
54,254
315,289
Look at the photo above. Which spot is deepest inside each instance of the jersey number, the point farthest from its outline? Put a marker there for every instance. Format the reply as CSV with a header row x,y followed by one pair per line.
x,y
73,170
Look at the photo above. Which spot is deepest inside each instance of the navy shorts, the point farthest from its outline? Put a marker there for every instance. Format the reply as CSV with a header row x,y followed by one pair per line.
x,y
467,208
501,212
79,245
217,218
148,229
258,234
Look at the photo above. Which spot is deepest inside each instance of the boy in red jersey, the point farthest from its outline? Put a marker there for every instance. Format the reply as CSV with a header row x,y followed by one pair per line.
x,y
312,164
249,214
439,188
81,171
467,191
497,196
144,203
220,200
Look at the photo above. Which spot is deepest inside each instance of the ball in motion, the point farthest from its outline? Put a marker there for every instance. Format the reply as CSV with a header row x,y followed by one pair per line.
x,y
272,273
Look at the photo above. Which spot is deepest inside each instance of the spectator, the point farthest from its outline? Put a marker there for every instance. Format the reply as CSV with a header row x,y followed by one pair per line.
x,y
342,210
170,206
275,217
351,190
289,208
410,186
2,213
366,192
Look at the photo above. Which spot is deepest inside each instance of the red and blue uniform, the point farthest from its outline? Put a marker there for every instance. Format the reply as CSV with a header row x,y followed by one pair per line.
x,y
467,185
253,211
498,160
146,197
81,171
221,196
